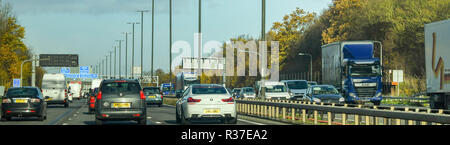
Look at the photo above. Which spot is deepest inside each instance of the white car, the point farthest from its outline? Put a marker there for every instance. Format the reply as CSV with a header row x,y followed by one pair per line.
x,y
206,101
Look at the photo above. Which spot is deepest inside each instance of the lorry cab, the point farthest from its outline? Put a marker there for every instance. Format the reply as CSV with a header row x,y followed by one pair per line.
x,y
351,67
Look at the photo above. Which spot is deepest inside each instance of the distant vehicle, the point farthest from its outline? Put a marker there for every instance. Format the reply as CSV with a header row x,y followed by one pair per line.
x,y
247,92
120,99
437,63
351,67
274,90
24,102
91,100
312,83
296,88
96,83
153,95
183,80
323,93
165,88
75,89
54,86
235,92
208,102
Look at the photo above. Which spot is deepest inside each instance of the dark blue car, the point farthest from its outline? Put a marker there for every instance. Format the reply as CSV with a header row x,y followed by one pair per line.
x,y
323,93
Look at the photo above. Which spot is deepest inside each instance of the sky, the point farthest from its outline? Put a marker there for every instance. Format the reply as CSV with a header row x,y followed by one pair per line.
x,y
90,27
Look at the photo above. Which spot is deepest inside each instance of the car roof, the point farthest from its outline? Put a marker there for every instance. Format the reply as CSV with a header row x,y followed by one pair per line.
x,y
202,85
151,87
323,86
27,87
113,80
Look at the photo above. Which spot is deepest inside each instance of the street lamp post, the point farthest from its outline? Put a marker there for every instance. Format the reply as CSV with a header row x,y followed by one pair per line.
x,y
132,49
21,69
115,58
120,56
142,39
110,64
170,43
153,34
126,53
310,56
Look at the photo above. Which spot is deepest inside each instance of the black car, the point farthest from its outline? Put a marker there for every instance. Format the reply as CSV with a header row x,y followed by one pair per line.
x,y
120,100
24,102
323,93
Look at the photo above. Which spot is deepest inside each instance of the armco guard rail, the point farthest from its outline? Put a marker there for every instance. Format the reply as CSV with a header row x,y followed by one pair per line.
x,y
276,109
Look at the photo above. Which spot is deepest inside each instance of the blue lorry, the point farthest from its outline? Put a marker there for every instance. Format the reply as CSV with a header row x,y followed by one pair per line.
x,y
352,68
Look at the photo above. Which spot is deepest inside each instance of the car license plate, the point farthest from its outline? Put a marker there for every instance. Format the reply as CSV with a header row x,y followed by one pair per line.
x,y
151,97
209,111
49,99
21,101
121,105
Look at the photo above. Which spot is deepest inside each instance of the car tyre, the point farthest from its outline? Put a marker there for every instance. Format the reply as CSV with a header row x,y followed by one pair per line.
x,y
66,105
377,103
160,105
178,120
98,122
231,120
142,121
41,118
4,118
184,121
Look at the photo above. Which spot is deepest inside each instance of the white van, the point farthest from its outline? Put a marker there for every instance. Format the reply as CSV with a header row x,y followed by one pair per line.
x,y
96,83
274,90
75,89
54,86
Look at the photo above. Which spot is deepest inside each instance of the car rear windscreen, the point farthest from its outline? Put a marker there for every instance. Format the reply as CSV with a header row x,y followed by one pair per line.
x,y
22,92
120,87
148,91
208,90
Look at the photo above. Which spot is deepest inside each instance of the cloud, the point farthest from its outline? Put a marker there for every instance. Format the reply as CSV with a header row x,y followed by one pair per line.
x,y
93,6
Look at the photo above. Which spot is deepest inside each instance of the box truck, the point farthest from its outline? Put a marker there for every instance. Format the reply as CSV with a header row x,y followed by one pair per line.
x,y
437,63
352,68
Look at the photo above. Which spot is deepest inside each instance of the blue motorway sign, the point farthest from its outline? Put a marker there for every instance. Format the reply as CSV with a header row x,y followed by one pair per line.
x,y
16,83
65,70
81,76
84,69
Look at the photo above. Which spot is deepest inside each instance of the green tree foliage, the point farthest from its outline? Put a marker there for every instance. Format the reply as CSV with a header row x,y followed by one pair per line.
x,y
12,49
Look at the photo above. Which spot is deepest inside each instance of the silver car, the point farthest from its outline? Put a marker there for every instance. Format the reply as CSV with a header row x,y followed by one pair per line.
x,y
120,99
206,101
154,96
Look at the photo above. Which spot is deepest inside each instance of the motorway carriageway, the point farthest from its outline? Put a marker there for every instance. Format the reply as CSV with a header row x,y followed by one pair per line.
x,y
77,114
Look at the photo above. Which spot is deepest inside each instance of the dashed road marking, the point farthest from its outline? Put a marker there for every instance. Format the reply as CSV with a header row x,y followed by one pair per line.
x,y
157,122
65,124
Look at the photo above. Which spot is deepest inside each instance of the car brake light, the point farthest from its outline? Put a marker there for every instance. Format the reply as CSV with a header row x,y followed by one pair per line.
x,y
6,101
35,100
142,95
8,111
33,111
136,115
99,96
120,81
92,99
228,100
161,95
190,99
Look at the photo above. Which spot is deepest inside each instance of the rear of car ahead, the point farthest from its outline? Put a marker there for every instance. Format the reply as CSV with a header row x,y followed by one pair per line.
x,y
54,86
154,96
120,100
24,102
208,102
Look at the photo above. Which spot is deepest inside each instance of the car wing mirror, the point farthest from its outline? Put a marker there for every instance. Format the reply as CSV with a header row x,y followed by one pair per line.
x,y
47,97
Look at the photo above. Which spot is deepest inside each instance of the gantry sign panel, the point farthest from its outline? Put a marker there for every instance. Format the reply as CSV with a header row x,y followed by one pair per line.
x,y
58,60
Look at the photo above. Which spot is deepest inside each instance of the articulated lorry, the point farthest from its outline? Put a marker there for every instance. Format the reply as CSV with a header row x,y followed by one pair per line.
x,y
184,80
437,63
352,68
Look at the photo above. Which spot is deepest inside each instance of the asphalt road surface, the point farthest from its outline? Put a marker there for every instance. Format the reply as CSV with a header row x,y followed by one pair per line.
x,y
77,114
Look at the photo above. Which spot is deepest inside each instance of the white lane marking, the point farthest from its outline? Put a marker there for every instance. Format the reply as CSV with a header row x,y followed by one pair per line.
x,y
65,124
251,122
157,122
69,119
74,114
149,117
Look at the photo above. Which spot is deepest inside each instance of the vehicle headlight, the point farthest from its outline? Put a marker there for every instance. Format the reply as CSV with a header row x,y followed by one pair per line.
x,y
352,95
378,95
317,100
341,99
292,94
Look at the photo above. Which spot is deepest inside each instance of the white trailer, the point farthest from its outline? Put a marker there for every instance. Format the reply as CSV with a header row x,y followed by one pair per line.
x,y
437,63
